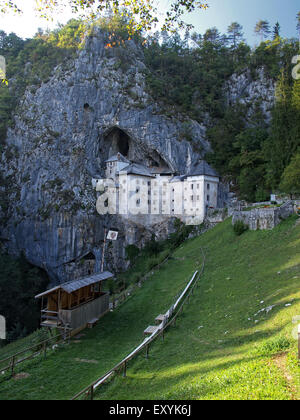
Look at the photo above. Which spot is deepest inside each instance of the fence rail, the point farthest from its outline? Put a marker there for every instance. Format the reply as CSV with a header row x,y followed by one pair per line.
x,y
170,319
10,362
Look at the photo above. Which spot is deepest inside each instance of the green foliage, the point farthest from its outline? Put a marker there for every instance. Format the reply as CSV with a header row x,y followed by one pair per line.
x,y
19,283
240,227
290,180
284,139
153,247
132,251
31,62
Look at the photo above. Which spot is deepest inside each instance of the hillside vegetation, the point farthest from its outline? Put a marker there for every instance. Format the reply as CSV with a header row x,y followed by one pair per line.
x,y
233,341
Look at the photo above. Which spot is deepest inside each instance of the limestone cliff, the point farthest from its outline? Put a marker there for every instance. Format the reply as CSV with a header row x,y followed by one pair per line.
x,y
92,107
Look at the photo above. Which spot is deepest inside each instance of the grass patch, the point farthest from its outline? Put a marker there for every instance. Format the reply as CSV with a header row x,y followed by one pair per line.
x,y
224,343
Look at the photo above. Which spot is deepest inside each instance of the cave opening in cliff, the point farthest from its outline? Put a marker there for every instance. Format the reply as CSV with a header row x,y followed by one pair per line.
x,y
116,140
119,141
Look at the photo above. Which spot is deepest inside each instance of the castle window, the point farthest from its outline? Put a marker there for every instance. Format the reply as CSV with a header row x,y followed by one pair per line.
x,y
208,186
208,198
198,197
138,202
192,186
192,197
198,186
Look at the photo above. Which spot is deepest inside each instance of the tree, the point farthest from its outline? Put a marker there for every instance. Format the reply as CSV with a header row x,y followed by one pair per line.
x,y
298,23
290,181
276,30
142,13
235,31
212,35
262,28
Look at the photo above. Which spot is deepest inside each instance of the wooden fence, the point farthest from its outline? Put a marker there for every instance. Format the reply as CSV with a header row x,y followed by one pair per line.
x,y
10,362
170,319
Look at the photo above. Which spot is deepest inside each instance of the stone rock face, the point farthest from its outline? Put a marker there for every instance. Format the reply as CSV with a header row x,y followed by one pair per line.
x,y
92,107
245,90
63,132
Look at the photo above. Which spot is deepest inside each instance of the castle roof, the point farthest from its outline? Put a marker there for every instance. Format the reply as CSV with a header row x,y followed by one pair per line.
x,y
161,170
137,169
177,178
203,168
117,158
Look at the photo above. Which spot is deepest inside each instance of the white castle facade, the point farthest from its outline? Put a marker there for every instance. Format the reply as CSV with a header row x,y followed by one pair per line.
x,y
133,190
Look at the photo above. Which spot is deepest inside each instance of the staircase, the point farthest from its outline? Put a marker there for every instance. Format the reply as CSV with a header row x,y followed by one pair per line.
x,y
51,319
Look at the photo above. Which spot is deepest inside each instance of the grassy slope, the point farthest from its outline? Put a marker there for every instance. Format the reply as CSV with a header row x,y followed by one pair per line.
x,y
230,357
61,376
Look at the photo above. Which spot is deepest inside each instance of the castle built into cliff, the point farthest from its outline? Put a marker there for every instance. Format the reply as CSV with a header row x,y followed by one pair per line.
x,y
132,189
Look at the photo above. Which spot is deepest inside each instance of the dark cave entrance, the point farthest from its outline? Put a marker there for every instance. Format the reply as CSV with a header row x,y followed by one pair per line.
x,y
119,141
115,140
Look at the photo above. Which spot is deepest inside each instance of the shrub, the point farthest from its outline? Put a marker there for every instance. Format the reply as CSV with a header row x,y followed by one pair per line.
x,y
132,251
273,346
240,227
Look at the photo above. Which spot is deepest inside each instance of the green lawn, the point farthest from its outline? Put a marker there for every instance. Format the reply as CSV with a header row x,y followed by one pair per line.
x,y
220,349
223,345
72,367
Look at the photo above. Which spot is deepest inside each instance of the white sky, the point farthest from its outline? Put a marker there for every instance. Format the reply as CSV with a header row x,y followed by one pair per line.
x,y
26,24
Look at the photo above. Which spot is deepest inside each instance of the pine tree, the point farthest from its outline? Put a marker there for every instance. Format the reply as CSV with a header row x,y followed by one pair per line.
x,y
298,23
262,28
235,34
276,30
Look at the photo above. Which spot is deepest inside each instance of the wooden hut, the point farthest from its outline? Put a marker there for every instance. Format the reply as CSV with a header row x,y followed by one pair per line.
x,y
75,304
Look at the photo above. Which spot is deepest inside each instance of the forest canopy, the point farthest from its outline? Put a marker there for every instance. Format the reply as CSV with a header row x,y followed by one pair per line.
x,y
187,75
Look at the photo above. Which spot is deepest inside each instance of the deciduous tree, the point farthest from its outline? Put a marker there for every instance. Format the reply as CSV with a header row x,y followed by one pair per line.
x,y
142,13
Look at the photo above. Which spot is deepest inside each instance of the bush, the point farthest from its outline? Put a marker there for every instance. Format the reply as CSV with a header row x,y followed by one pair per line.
x,y
132,251
136,277
273,346
240,227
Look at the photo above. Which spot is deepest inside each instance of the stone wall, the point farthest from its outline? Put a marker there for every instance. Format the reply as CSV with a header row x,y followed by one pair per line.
x,y
264,218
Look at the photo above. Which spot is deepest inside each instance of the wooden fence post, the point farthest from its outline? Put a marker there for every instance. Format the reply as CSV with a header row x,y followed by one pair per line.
x,y
124,371
45,349
12,365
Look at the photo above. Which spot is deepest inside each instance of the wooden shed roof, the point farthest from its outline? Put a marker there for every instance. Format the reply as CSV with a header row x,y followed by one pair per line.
x,y
72,286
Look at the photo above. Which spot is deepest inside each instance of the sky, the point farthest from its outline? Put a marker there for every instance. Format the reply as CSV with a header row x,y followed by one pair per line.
x,y
221,14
